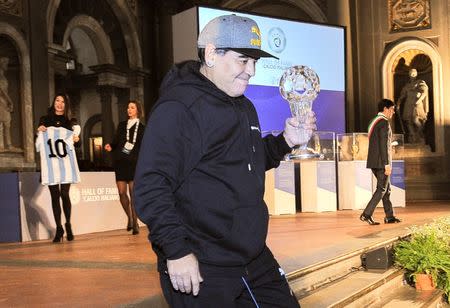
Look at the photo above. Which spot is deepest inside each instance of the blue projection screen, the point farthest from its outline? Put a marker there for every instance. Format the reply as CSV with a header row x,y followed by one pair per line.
x,y
320,47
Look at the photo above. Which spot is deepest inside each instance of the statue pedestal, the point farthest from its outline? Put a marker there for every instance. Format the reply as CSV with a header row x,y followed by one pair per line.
x,y
15,161
426,174
416,150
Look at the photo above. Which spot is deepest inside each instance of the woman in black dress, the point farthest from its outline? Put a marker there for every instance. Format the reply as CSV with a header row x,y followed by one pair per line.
x,y
125,147
59,115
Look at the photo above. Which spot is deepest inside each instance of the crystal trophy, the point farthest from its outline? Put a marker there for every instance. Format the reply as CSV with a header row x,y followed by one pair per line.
x,y
300,85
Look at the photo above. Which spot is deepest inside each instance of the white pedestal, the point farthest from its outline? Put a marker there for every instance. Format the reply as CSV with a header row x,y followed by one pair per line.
x,y
398,193
318,186
355,184
280,189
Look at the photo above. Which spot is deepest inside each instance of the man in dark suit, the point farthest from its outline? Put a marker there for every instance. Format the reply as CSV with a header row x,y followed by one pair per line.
x,y
379,159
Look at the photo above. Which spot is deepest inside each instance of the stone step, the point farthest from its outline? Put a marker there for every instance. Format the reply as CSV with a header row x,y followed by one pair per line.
x,y
358,289
310,278
313,279
409,297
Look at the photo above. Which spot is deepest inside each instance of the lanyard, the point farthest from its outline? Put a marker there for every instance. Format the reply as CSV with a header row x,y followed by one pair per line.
x,y
135,131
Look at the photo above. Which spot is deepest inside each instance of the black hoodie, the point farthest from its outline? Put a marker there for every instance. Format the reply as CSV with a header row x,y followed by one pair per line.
x,y
199,181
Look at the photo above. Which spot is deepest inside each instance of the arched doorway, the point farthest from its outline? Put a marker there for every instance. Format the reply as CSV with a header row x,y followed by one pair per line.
x,y
95,56
422,55
409,61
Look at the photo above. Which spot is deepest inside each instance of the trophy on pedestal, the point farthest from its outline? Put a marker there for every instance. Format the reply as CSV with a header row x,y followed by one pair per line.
x,y
300,85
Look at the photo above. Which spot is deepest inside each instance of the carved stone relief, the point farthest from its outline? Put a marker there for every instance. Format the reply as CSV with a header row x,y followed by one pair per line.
x,y
408,15
132,4
12,7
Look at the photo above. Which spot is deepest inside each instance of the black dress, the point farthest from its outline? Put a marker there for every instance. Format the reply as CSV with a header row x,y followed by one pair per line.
x,y
57,121
125,163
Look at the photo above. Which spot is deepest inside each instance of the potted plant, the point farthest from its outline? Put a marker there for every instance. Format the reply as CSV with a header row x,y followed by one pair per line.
x,y
427,251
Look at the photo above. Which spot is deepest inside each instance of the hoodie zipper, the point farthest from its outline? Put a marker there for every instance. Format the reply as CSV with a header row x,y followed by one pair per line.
x,y
252,153
251,145
251,149
239,108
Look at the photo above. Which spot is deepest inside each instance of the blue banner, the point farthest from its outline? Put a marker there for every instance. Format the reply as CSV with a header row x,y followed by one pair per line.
x,y
398,174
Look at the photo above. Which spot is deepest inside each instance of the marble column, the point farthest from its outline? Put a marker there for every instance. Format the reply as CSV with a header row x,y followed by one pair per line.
x,y
106,93
123,96
340,14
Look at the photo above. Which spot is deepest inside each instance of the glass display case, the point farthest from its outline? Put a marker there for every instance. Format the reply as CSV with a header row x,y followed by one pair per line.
x,y
322,146
354,179
352,146
355,146
279,194
317,178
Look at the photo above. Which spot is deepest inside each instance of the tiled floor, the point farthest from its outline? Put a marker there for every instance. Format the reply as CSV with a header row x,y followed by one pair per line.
x,y
112,268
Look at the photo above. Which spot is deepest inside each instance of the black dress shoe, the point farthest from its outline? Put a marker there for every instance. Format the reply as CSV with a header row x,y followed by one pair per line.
x,y
391,220
368,219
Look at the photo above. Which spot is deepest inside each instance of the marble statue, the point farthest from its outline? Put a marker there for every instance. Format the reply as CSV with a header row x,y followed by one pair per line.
x,y
6,108
414,113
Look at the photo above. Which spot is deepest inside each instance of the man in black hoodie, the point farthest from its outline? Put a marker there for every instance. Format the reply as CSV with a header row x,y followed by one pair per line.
x,y
199,181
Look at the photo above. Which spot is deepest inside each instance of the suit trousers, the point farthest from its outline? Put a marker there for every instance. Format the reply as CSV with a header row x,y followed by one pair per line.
x,y
383,192
227,286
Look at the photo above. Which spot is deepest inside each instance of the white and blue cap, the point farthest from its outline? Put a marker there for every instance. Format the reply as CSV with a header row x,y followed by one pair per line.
x,y
237,33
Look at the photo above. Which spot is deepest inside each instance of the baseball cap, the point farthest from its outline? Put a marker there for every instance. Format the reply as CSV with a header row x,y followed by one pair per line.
x,y
237,33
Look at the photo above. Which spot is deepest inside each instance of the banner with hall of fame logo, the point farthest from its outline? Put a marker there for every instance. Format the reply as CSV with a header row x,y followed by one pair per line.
x,y
95,205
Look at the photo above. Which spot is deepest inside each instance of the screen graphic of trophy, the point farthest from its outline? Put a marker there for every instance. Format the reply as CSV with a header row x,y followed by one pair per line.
x,y
300,85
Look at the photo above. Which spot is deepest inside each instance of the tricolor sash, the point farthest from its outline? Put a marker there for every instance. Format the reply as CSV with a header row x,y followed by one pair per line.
x,y
380,116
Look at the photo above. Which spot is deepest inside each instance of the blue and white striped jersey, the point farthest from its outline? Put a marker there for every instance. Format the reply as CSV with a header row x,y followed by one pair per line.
x,y
58,160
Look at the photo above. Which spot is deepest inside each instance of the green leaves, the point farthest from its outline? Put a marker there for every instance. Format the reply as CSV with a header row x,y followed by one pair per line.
x,y
427,251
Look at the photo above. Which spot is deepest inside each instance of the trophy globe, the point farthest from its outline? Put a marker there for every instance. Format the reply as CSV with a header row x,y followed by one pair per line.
x,y
300,85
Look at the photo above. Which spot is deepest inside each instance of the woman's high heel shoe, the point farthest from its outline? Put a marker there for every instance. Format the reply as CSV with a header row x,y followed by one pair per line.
x,y
70,236
59,234
129,225
135,229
